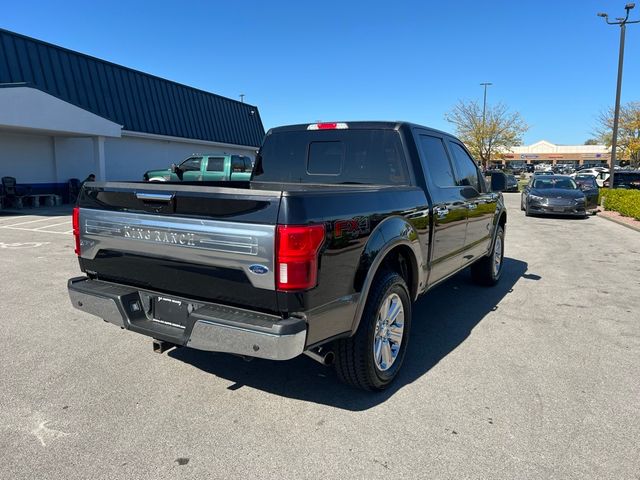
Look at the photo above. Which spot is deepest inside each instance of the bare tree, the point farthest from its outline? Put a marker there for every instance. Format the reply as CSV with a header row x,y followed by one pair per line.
x,y
499,131
628,131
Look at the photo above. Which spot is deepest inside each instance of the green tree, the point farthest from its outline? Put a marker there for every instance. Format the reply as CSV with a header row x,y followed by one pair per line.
x,y
591,141
628,131
498,132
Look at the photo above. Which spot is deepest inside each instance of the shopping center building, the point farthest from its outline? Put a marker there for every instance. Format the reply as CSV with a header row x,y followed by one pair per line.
x,y
552,154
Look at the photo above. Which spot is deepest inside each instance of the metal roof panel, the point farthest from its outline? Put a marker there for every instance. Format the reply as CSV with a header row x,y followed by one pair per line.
x,y
136,100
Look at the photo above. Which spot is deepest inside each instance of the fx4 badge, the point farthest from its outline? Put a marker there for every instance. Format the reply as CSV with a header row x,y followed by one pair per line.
x,y
352,228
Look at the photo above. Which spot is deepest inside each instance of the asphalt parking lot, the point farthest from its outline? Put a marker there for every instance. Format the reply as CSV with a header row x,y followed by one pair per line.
x,y
535,378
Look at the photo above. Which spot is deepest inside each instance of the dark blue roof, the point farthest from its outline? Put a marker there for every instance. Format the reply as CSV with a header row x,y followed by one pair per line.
x,y
138,101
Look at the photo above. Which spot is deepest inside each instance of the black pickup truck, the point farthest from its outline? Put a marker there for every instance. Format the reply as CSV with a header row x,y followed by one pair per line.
x,y
341,228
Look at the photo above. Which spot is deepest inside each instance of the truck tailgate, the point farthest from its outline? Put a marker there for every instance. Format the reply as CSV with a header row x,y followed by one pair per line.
x,y
203,242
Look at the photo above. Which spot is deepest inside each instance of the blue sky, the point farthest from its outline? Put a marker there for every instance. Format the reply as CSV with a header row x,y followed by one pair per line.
x,y
553,61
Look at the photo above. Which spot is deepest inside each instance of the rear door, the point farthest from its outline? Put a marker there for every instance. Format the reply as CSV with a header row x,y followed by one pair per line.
x,y
480,203
449,207
214,170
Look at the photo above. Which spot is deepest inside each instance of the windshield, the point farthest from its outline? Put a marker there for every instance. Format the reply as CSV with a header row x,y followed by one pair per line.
x,y
546,183
332,156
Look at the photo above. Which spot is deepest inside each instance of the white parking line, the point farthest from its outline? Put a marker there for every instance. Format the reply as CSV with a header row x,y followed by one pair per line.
x,y
54,225
30,221
13,218
33,230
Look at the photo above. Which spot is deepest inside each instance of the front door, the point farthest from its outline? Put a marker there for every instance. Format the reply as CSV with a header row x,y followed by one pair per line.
x,y
191,169
481,204
449,208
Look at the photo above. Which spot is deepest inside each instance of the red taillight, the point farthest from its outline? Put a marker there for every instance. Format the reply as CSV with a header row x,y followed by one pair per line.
x,y
328,126
76,228
297,256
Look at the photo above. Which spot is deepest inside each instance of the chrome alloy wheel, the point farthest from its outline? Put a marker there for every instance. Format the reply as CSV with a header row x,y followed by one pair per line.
x,y
497,256
387,337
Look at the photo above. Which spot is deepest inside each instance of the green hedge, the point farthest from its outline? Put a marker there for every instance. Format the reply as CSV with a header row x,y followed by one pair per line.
x,y
626,202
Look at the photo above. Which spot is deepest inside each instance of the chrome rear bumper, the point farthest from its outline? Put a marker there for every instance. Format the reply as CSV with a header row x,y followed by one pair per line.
x,y
209,327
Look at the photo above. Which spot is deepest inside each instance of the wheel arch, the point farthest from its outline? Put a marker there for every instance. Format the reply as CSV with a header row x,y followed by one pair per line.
x,y
393,245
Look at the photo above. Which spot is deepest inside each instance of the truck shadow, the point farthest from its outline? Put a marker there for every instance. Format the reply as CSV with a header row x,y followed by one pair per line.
x,y
442,319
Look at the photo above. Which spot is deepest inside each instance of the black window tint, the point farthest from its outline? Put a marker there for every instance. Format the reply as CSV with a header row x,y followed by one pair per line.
x,y
437,161
237,164
191,164
333,156
466,167
215,164
247,164
325,158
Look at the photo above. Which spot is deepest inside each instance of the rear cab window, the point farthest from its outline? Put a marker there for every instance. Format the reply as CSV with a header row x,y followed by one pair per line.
x,y
238,164
352,156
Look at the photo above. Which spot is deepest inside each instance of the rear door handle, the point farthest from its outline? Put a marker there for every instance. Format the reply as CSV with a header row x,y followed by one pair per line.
x,y
155,197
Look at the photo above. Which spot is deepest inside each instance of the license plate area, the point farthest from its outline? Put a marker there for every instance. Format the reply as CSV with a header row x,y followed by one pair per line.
x,y
170,311
558,209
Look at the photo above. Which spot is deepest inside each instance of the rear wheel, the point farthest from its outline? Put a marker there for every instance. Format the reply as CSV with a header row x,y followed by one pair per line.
x,y
487,270
372,357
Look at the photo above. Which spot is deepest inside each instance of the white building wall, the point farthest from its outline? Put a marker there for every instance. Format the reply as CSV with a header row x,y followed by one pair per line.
x,y
28,158
128,157
47,159
74,158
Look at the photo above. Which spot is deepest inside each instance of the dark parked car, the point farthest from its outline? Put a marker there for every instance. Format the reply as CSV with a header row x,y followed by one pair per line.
x,y
512,183
589,186
341,228
625,179
553,194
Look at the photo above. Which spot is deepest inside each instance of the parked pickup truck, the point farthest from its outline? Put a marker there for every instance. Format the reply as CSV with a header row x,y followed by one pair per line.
x,y
341,228
211,167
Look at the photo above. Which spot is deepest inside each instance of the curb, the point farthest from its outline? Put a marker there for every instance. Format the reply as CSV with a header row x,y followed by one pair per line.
x,y
615,220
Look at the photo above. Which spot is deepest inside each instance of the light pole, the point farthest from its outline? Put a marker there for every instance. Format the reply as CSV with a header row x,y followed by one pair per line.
x,y
616,114
484,111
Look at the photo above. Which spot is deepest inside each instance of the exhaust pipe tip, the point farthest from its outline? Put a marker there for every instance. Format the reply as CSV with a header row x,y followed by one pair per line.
x,y
329,358
160,346
324,358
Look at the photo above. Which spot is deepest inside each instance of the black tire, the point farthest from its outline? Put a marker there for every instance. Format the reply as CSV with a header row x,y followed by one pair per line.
x,y
527,213
521,205
483,271
355,363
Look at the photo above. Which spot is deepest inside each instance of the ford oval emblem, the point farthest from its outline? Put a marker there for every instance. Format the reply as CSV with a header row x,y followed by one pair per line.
x,y
259,269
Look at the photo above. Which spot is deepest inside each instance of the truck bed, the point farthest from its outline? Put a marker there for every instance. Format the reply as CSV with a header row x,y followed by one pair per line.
x,y
203,240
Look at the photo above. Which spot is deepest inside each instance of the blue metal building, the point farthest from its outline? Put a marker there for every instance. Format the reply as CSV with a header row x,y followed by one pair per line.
x,y
64,114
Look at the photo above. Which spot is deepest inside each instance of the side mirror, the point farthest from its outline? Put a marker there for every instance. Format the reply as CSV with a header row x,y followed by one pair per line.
x,y
498,182
173,168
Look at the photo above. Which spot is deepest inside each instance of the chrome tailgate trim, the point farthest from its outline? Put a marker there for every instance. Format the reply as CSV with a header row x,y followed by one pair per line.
x,y
207,242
